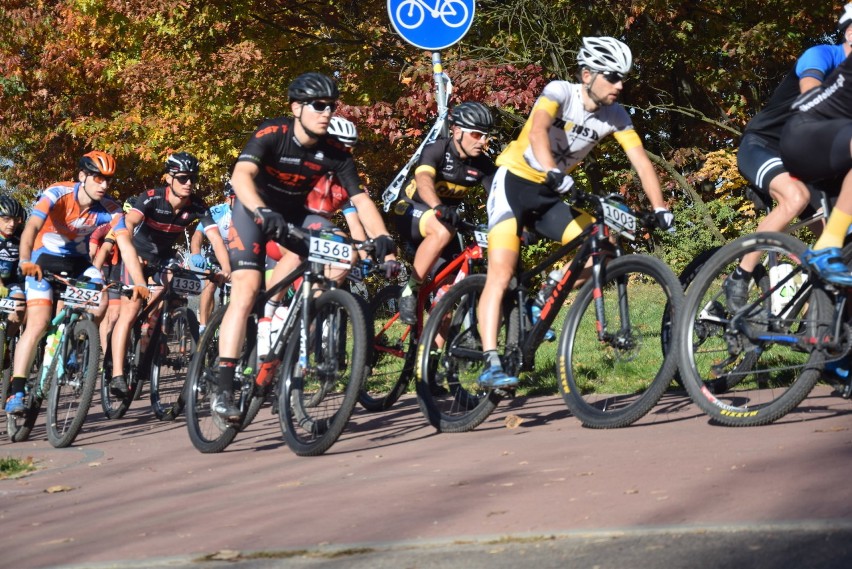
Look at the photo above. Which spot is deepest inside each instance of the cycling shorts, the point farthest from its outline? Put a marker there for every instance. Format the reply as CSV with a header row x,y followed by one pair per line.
x,y
515,203
40,293
759,161
815,148
113,275
247,244
153,275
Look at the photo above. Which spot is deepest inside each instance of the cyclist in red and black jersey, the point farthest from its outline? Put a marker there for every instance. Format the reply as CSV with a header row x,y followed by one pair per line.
x,y
448,169
279,165
157,219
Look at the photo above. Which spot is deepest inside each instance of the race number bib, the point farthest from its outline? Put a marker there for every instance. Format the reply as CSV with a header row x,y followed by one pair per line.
x,y
619,219
330,249
76,296
9,305
481,238
186,285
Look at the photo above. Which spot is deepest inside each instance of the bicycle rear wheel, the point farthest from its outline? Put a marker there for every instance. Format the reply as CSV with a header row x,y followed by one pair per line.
x,y
392,352
171,362
114,407
19,427
450,360
71,392
208,432
612,381
766,357
317,395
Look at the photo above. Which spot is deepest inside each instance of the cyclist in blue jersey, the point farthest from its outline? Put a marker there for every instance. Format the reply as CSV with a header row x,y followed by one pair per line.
x,y
759,154
203,260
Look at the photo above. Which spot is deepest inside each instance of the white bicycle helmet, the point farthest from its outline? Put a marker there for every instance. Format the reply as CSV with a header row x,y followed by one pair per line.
x,y
344,130
605,54
845,17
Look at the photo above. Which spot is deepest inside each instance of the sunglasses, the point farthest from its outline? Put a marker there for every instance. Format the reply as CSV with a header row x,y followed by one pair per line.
x,y
614,77
100,178
476,134
185,178
321,106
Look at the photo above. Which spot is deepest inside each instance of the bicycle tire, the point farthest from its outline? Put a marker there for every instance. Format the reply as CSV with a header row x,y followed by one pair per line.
x,y
337,363
392,352
170,363
780,374
18,428
112,406
612,383
71,395
6,372
207,431
449,359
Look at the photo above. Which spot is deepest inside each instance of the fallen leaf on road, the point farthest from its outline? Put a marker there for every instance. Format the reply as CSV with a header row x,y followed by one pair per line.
x,y
225,555
513,422
58,541
290,484
94,464
55,489
631,491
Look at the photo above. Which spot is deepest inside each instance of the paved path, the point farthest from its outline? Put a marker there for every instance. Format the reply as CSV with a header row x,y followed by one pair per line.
x,y
135,490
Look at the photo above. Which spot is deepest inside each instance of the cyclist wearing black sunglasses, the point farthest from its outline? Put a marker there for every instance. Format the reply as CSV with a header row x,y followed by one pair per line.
x,y
567,121
426,215
279,165
157,220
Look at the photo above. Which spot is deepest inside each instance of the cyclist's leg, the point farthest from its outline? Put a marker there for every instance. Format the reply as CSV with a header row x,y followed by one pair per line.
x,y
39,296
205,303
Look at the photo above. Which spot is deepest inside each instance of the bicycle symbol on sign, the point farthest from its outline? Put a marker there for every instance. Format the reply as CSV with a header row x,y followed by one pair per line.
x,y
452,12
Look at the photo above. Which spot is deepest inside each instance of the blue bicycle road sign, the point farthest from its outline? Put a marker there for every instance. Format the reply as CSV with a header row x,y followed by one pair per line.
x,y
431,24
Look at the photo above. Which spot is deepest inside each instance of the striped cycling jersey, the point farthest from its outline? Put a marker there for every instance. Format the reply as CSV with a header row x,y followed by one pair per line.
x,y
156,235
573,134
67,228
454,175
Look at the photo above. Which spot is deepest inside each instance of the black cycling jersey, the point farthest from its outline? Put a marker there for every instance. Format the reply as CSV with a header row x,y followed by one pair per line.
x,y
9,256
288,170
454,175
155,236
770,120
832,100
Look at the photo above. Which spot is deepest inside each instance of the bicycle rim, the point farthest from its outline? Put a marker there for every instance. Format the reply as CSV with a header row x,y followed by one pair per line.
x,y
392,353
170,364
613,381
317,396
740,381
450,361
71,394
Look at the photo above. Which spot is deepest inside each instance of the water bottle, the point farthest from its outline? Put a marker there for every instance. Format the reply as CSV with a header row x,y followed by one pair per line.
x,y
547,287
264,326
278,318
535,316
51,344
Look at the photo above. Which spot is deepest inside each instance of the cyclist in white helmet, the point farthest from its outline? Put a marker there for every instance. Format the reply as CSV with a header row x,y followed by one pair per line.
x,y
567,121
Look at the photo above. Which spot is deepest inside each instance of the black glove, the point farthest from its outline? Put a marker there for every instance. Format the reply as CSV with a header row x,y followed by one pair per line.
x,y
447,214
665,219
271,223
392,269
384,246
560,182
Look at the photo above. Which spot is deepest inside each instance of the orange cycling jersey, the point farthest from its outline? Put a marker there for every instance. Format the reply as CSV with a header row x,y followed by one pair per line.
x,y
67,228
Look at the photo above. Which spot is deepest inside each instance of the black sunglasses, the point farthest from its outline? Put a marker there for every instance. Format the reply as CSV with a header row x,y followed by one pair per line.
x,y
184,178
321,106
613,77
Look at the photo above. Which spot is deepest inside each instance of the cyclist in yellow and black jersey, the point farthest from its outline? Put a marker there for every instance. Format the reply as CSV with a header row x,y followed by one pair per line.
x,y
448,169
566,122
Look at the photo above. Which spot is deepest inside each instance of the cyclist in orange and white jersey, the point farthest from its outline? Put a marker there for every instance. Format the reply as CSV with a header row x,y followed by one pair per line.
x,y
56,238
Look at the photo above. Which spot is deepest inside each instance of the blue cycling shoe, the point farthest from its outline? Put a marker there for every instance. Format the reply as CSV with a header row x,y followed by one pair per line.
x,y
828,265
494,377
15,404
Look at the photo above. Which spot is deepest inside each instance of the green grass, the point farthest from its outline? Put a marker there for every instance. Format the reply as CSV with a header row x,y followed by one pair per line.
x,y
11,467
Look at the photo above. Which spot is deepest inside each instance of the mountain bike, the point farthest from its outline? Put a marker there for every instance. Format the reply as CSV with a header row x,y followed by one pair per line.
x,y
752,366
395,342
315,367
611,364
9,334
171,340
68,371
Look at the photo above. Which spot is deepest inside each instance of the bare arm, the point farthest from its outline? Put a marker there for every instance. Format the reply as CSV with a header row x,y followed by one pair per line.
x,y
31,229
219,249
426,188
195,242
242,179
540,140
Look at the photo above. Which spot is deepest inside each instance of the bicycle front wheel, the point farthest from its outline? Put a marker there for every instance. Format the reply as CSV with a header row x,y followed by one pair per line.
x,y
613,367
450,360
114,406
171,362
71,392
392,355
751,367
318,389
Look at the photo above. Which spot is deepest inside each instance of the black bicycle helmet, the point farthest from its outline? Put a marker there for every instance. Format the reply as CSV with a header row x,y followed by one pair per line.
x,y
312,86
9,207
182,162
97,162
129,204
472,115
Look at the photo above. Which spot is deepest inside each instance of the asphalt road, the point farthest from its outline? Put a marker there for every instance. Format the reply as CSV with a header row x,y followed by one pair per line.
x,y
670,491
